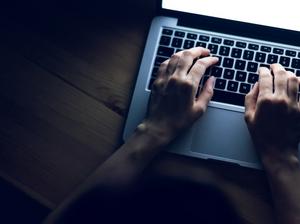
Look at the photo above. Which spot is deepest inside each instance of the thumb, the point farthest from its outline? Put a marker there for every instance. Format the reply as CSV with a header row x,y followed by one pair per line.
x,y
250,102
205,95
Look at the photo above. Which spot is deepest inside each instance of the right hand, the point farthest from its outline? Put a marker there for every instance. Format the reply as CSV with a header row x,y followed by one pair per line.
x,y
273,117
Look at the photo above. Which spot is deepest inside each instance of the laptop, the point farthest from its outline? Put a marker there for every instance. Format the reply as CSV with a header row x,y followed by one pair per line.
x,y
244,35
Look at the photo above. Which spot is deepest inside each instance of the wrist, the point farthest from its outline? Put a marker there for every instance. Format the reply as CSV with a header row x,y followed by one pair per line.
x,y
277,161
157,135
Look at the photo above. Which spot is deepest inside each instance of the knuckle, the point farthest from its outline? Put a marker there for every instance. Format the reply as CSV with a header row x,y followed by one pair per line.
x,y
174,81
210,91
248,96
187,53
281,102
202,108
158,84
264,71
266,100
281,72
175,57
164,64
247,117
186,83
293,78
201,63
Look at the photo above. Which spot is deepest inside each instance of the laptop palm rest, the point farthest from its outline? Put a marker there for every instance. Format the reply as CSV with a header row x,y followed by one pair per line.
x,y
223,135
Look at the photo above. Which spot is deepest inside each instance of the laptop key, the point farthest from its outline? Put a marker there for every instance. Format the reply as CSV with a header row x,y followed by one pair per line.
x,y
159,60
228,97
265,49
216,40
236,53
252,78
213,48
272,59
165,51
290,53
290,70
252,67
248,55
264,65
228,74
154,72
188,44
284,61
220,61
167,32
260,57
204,38
278,50
177,42
228,62
240,76
232,86
228,42
296,63
192,36
165,40
239,64
217,71
253,47
179,34
245,88
298,73
151,83
201,44
240,44
207,71
224,51
220,83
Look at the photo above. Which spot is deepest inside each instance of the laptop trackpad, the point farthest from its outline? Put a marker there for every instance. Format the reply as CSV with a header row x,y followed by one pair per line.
x,y
223,135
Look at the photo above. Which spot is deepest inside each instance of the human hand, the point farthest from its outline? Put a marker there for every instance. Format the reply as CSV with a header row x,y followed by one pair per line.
x,y
173,106
273,117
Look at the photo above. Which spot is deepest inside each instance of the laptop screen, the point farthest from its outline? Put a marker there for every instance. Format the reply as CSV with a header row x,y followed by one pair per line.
x,y
276,13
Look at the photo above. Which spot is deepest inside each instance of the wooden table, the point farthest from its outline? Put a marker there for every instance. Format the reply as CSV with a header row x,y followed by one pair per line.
x,y
65,88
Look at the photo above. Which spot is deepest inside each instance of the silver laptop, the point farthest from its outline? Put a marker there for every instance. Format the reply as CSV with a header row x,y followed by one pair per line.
x,y
244,35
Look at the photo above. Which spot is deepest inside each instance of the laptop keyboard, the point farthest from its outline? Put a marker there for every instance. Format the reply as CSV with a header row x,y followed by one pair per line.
x,y
239,60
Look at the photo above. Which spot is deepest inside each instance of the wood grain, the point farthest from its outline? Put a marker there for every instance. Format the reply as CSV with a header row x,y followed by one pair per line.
x,y
65,88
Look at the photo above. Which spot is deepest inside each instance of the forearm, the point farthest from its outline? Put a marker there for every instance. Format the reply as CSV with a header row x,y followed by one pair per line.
x,y
284,176
129,161
117,174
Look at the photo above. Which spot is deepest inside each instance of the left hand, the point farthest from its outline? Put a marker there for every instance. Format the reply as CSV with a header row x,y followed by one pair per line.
x,y
173,106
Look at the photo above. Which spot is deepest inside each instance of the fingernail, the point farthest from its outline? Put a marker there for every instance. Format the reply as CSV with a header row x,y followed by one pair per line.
x,y
213,81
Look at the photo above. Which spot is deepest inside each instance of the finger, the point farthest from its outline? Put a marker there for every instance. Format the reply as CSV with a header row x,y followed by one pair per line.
x,y
205,95
162,69
173,61
168,67
280,79
199,68
265,82
187,58
293,87
250,102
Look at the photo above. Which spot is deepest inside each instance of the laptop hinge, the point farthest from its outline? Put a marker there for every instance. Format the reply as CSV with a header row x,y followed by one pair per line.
x,y
239,29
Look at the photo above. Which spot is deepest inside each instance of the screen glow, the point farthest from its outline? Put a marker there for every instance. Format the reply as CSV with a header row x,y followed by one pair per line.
x,y
275,13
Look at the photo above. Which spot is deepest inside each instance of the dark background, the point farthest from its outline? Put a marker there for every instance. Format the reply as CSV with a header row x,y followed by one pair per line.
x,y
16,206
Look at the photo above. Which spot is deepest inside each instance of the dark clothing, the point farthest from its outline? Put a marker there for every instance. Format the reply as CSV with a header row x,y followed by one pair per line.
x,y
167,201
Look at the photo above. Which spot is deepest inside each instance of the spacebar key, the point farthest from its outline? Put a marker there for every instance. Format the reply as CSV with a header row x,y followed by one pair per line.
x,y
228,97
